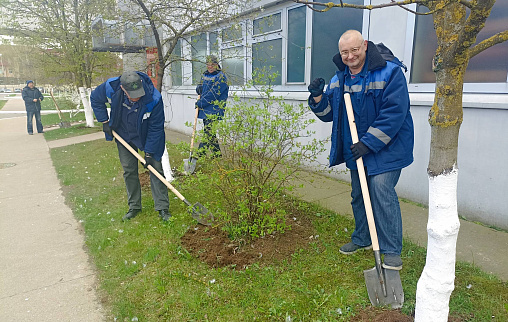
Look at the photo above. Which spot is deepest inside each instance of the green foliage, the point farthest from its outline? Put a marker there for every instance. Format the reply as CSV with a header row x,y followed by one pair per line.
x,y
264,143
144,271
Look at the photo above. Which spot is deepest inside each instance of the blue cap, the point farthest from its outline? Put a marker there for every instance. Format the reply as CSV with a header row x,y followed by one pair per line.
x,y
29,81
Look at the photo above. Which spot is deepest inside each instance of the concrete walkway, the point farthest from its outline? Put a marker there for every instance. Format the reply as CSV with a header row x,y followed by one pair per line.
x,y
45,273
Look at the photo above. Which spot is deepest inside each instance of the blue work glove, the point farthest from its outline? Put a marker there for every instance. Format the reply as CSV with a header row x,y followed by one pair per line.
x,y
316,87
106,129
149,160
359,149
199,89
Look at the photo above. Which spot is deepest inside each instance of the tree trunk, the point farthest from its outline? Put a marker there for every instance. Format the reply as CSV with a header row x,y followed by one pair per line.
x,y
445,117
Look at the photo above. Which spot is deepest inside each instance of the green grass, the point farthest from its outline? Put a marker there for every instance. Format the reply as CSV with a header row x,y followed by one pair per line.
x,y
54,119
75,130
63,104
144,271
2,103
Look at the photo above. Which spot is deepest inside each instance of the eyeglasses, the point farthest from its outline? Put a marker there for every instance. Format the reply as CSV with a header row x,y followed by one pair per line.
x,y
354,51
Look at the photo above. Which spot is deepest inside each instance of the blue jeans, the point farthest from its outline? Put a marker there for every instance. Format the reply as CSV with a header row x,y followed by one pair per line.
x,y
29,121
386,209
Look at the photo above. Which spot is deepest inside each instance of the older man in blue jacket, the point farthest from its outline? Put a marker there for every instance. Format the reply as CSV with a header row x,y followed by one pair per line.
x,y
380,101
137,115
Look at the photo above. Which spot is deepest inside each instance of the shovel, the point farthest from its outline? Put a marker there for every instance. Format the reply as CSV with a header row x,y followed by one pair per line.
x,y
383,285
198,212
189,165
62,124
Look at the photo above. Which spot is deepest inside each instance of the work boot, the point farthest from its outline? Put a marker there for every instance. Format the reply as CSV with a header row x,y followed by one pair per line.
x,y
131,214
392,261
164,214
351,248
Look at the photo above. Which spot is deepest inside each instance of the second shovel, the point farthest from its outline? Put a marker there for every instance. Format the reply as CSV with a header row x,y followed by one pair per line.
x,y
189,165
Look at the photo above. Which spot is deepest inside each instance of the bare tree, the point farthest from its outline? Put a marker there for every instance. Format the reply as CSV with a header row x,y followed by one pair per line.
x,y
60,32
170,20
457,24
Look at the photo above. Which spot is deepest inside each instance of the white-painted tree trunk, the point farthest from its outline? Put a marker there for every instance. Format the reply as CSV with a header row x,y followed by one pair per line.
x,y
85,99
166,167
437,280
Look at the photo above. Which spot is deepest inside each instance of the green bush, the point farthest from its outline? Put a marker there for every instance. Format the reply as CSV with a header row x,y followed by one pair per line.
x,y
264,142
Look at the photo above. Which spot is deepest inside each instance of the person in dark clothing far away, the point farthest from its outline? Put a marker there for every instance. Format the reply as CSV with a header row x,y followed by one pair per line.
x,y
213,92
374,79
137,116
32,97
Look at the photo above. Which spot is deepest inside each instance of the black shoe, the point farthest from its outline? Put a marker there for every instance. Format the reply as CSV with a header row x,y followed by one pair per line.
x,y
30,133
392,261
131,214
164,214
351,248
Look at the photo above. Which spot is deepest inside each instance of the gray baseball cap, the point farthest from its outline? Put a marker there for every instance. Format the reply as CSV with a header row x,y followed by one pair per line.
x,y
132,83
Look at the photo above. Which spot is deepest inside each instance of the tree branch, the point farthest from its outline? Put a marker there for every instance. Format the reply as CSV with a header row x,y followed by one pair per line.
x,y
489,42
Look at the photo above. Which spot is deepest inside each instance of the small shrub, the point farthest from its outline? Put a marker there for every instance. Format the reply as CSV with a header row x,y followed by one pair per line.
x,y
264,142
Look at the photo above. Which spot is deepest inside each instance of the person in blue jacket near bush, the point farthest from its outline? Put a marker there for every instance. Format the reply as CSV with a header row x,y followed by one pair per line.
x,y
137,116
380,99
213,90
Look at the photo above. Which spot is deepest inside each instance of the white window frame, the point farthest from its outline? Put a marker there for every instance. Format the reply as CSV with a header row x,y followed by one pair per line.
x,y
476,88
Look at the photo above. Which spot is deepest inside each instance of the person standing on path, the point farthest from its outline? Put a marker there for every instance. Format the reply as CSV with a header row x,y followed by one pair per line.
x,y
213,93
137,115
32,97
380,99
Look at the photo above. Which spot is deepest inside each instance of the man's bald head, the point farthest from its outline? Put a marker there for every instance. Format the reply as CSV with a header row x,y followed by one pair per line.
x,y
351,34
353,50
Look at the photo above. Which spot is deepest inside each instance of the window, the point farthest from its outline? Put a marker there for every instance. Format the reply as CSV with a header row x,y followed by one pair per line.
x,y
231,33
267,50
198,51
176,65
267,62
267,24
214,43
233,64
296,45
327,27
490,66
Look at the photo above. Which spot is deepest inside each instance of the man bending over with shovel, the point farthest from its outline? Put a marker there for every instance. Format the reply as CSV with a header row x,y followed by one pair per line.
x,y
373,77
137,116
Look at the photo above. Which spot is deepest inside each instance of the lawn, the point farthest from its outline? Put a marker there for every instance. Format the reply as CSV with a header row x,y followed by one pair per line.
x,y
74,130
145,272
2,103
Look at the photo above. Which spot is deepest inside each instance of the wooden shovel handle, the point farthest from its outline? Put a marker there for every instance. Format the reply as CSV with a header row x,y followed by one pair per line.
x,y
56,105
361,174
194,129
152,170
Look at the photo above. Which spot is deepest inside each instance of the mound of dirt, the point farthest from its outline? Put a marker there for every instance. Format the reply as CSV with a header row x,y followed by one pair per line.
x,y
372,314
213,246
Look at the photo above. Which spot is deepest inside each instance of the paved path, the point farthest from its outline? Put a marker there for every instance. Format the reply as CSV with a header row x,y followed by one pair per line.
x,y
45,273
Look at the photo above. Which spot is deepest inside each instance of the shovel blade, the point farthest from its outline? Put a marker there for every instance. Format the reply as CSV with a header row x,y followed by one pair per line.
x,y
394,293
189,165
201,214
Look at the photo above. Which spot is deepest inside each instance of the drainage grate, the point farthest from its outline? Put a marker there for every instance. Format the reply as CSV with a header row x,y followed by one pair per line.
x,y
6,165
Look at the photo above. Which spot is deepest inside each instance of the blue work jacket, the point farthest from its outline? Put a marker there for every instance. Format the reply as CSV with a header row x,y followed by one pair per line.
x,y
150,123
382,115
214,90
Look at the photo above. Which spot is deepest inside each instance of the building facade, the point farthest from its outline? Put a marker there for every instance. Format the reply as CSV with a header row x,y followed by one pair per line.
x,y
294,44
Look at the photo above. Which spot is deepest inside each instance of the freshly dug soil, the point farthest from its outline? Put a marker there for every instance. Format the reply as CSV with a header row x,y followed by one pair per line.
x,y
144,179
212,246
372,314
